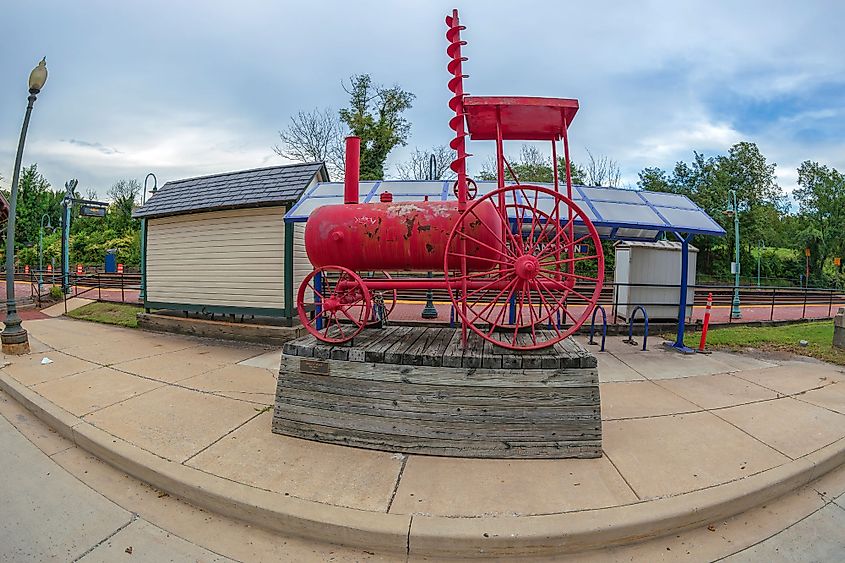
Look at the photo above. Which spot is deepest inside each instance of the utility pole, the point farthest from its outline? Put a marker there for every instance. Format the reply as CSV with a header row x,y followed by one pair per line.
x,y
733,209
14,338
67,204
430,311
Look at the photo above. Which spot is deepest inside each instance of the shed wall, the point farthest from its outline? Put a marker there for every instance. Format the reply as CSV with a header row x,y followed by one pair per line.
x,y
233,258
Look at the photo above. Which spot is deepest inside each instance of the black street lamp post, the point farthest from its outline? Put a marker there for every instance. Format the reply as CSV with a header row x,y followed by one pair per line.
x,y
155,186
430,311
14,337
41,251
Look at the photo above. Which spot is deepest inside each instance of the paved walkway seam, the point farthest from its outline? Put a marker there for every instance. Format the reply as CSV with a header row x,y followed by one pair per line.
x,y
398,480
610,459
822,507
132,518
176,383
195,454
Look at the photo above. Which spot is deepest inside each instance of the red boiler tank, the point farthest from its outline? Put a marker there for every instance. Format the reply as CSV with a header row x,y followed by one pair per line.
x,y
399,236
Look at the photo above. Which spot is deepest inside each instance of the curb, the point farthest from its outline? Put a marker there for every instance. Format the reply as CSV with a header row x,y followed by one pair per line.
x,y
437,536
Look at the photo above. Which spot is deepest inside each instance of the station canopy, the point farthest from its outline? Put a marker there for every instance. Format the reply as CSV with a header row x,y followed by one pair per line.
x,y
618,214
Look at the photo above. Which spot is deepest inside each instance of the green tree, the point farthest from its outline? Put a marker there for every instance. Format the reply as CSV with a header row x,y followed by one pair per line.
x,y
35,198
655,180
123,195
821,205
375,115
708,181
745,170
90,237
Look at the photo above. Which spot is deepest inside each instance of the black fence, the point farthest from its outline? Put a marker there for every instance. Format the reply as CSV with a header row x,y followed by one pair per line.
x,y
773,299
772,303
113,287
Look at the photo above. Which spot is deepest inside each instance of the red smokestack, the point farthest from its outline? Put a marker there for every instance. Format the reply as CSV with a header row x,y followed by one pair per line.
x,y
352,169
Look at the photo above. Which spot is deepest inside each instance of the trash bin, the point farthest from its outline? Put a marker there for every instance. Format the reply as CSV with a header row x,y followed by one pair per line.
x,y
111,260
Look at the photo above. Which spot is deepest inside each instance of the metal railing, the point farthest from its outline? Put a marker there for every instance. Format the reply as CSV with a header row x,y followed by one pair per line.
x,y
818,301
111,287
771,303
87,283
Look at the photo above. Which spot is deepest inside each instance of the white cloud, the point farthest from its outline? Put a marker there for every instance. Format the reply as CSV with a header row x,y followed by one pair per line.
x,y
702,135
171,146
183,92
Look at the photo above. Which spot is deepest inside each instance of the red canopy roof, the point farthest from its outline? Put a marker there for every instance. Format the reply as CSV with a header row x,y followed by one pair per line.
x,y
522,118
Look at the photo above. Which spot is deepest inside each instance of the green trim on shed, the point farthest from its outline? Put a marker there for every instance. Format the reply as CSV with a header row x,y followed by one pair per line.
x,y
143,260
289,295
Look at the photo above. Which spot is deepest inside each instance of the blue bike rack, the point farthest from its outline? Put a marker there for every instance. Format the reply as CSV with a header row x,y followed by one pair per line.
x,y
603,326
630,339
559,324
512,309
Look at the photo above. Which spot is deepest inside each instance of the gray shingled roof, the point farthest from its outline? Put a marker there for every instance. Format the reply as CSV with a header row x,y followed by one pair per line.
x,y
248,188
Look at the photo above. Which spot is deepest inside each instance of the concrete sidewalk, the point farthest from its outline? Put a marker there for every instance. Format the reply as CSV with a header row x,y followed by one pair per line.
x,y
64,504
680,431
805,525
49,514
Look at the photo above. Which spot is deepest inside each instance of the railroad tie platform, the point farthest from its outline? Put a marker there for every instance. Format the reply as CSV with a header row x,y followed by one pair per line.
x,y
416,390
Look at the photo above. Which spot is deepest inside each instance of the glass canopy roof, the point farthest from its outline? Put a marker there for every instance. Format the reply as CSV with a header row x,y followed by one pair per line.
x,y
617,214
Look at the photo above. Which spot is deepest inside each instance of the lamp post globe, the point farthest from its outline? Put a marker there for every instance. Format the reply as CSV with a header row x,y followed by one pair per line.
x,y
14,338
38,77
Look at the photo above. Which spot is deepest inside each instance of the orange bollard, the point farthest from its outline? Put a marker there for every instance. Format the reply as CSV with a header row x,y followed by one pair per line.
x,y
49,268
706,323
120,268
26,269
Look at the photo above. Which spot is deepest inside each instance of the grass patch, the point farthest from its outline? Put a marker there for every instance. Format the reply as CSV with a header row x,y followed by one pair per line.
x,y
784,338
119,314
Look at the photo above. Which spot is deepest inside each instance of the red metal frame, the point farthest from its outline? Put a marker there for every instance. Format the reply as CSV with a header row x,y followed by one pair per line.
x,y
521,118
504,254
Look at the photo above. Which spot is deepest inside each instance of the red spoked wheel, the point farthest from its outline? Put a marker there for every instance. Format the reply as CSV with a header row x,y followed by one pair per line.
x,y
539,290
339,309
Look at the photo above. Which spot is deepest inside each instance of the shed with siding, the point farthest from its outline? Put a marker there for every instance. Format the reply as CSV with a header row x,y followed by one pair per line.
x,y
219,244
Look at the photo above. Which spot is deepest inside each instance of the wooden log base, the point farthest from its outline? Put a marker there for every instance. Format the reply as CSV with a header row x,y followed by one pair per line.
x,y
413,390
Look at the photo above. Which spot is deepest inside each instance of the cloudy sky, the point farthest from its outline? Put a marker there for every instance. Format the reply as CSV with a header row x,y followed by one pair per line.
x,y
184,88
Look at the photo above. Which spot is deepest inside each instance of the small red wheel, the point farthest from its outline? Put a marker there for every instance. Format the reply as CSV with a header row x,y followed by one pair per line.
x,y
472,188
389,302
339,309
529,292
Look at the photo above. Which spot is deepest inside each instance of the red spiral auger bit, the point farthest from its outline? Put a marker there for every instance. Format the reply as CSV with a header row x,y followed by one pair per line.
x,y
456,104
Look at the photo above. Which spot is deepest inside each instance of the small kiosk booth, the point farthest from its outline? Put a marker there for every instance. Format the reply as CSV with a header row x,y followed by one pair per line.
x,y
219,244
